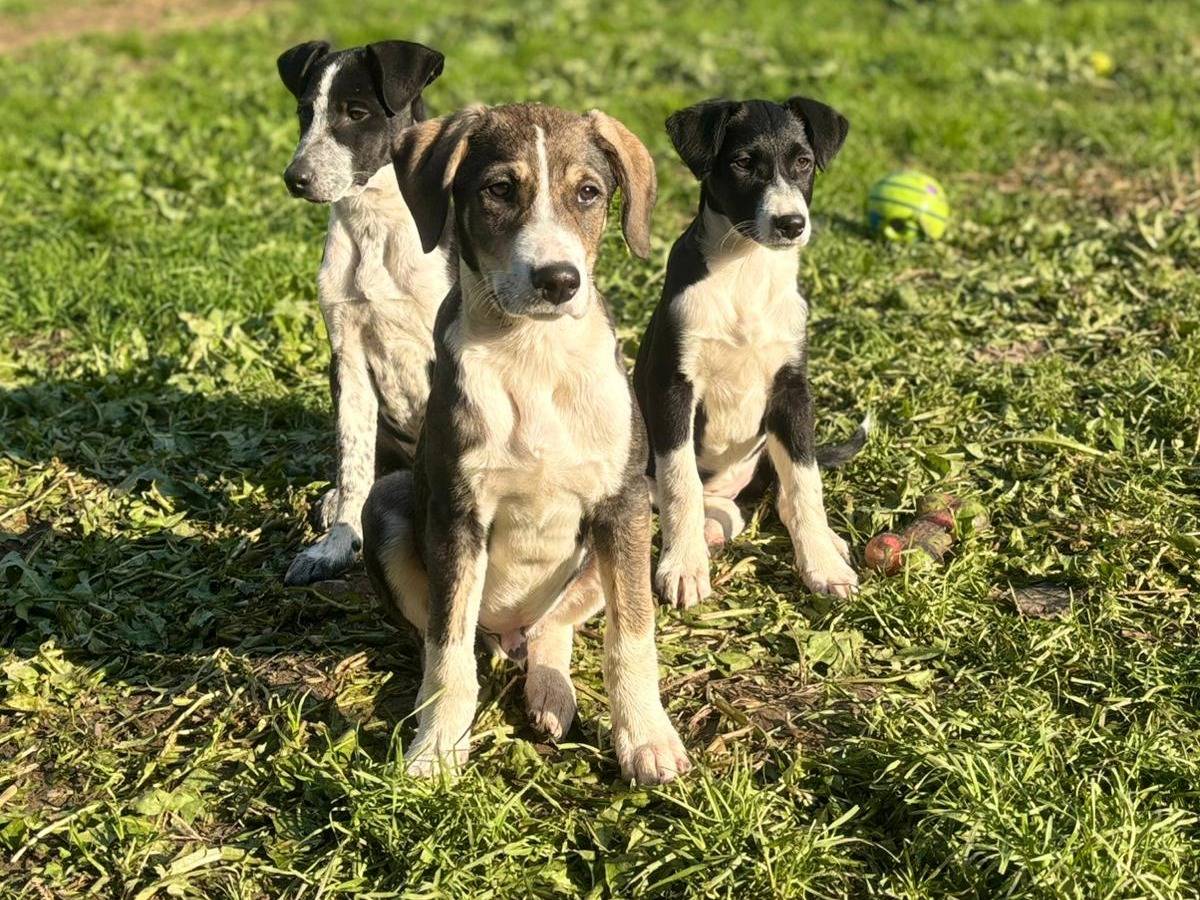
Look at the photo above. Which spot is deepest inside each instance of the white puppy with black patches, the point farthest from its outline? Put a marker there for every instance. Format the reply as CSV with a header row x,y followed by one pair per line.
x,y
721,373
379,289
526,508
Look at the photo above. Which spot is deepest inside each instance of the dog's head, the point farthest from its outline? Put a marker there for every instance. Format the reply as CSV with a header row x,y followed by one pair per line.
x,y
756,161
351,105
530,186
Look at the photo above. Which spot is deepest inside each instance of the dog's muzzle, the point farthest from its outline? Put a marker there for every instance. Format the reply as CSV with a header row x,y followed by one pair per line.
x,y
789,227
299,178
555,283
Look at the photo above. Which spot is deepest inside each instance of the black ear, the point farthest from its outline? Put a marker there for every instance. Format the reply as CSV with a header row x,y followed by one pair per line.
x,y
426,157
825,127
401,70
698,132
295,64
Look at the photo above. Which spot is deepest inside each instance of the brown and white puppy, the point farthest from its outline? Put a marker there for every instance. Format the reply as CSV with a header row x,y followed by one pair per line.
x,y
526,509
378,288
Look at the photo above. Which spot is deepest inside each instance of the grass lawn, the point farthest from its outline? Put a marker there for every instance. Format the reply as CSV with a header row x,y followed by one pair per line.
x,y
174,722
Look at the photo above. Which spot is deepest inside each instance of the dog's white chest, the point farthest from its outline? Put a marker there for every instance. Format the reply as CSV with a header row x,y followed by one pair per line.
x,y
741,325
556,434
373,255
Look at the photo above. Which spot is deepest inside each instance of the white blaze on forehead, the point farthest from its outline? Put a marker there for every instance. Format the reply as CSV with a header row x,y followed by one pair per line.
x,y
543,208
332,163
544,240
782,199
320,105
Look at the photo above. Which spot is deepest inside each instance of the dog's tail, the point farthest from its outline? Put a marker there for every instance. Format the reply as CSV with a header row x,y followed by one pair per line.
x,y
833,456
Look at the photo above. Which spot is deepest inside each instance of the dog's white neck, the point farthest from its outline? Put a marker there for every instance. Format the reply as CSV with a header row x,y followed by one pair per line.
x,y
379,196
724,244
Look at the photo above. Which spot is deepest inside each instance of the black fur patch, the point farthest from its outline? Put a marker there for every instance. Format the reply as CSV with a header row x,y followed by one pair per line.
x,y
664,394
445,518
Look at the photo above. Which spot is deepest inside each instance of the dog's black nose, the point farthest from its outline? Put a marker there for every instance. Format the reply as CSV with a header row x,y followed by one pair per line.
x,y
791,227
297,178
556,282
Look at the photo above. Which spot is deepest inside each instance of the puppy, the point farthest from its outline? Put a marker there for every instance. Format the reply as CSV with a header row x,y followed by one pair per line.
x,y
721,373
378,288
526,508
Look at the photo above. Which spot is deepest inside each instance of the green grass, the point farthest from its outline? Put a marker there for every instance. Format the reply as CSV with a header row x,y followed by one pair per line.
x,y
172,721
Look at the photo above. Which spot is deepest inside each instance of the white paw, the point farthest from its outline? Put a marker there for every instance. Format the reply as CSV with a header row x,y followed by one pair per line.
x,y
550,700
327,558
840,545
324,511
825,568
651,753
682,578
424,760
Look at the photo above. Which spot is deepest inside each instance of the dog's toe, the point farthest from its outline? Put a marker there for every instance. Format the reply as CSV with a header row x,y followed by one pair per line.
x,y
839,544
308,569
834,578
328,558
550,701
684,584
423,761
657,759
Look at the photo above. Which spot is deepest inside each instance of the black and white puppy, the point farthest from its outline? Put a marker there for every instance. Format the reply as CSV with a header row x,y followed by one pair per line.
x,y
378,288
721,373
526,508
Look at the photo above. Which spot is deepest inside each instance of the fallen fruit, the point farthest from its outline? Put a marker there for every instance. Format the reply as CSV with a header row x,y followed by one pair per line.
x,y
941,518
885,553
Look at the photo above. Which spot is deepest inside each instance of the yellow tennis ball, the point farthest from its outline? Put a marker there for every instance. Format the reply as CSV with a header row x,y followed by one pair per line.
x,y
1102,63
906,205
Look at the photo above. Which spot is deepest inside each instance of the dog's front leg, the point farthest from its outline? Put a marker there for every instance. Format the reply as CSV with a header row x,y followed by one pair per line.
x,y
357,412
822,557
647,746
682,575
457,563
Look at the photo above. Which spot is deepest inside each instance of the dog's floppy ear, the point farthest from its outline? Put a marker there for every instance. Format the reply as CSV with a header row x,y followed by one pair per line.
x,y
426,157
634,167
698,132
295,64
401,70
825,127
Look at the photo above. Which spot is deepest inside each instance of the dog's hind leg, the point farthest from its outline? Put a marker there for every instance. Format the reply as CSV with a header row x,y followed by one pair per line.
x,y
722,521
549,693
390,552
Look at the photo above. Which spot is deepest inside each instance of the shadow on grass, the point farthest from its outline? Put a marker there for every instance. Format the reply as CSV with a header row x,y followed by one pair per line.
x,y
133,428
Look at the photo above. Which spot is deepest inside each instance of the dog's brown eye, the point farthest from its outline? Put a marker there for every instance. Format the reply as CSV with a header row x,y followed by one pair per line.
x,y
588,193
357,113
501,190
742,164
804,163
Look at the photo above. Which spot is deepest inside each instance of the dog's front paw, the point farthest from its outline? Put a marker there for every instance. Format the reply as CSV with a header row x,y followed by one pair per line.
x,y
327,558
824,565
550,700
650,753
424,760
324,511
682,577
